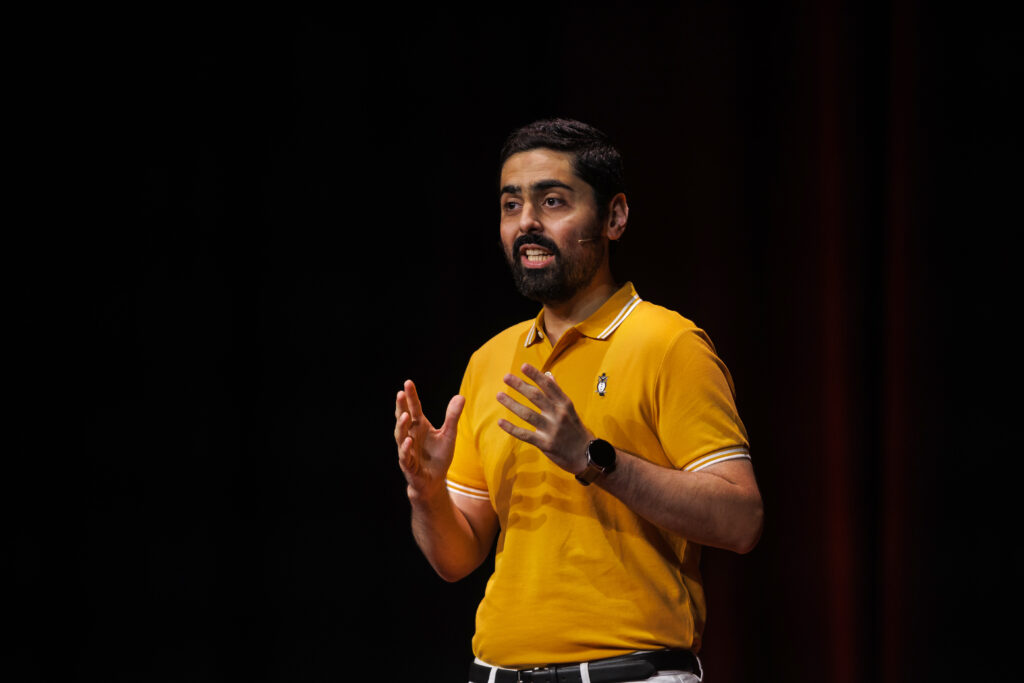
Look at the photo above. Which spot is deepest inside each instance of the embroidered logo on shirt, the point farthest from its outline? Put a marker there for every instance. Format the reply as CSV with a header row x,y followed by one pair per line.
x,y
602,384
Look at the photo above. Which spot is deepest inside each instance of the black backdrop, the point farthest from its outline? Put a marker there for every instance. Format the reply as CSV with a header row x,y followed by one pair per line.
x,y
278,218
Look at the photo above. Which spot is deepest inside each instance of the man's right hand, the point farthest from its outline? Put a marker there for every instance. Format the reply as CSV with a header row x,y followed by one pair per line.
x,y
424,453
454,532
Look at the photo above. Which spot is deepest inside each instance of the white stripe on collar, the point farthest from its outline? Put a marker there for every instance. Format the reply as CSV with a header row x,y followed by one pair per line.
x,y
623,314
534,333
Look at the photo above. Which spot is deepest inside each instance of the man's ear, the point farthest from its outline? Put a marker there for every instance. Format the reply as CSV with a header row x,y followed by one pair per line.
x,y
618,214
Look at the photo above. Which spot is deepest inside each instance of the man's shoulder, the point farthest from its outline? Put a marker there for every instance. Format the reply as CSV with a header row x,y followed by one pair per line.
x,y
657,321
654,329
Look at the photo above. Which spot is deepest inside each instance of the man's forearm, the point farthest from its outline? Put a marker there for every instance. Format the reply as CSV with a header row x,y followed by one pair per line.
x,y
720,508
446,537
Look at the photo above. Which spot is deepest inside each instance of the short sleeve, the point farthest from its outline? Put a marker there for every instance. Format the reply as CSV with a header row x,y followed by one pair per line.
x,y
698,422
466,474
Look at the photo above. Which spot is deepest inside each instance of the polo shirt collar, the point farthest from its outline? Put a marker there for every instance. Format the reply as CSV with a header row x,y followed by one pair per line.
x,y
601,322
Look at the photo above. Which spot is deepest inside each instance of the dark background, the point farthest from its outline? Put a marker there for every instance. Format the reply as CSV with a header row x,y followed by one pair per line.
x,y
274,219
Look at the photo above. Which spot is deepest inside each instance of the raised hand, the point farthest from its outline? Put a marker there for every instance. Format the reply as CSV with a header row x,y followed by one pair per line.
x,y
424,453
558,431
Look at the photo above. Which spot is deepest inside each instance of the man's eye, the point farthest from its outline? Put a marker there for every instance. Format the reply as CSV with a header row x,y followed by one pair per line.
x,y
552,201
510,205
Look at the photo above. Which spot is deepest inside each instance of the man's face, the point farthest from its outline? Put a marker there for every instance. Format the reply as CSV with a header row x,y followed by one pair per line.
x,y
545,211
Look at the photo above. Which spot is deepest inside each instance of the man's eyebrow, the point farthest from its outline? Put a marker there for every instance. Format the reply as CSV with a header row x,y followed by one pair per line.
x,y
540,185
548,184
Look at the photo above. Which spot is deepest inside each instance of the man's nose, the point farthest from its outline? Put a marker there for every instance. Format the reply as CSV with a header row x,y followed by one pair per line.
x,y
529,220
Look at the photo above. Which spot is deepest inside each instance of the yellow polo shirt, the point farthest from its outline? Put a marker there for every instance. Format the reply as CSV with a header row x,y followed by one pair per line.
x,y
577,575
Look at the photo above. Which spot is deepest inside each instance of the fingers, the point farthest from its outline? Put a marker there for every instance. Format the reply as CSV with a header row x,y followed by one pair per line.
x,y
406,402
407,459
526,414
530,392
415,436
545,381
558,431
413,402
546,386
402,410
403,428
520,433
547,396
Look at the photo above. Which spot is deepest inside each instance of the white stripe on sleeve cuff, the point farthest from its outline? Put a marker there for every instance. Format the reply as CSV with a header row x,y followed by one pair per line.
x,y
731,453
478,494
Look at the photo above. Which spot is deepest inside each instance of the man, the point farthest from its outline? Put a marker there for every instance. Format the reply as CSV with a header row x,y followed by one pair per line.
x,y
600,442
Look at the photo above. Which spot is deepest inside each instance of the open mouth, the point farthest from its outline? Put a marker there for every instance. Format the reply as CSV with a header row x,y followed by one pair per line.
x,y
533,256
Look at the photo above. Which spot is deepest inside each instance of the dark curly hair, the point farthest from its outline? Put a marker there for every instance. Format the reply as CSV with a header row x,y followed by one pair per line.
x,y
594,159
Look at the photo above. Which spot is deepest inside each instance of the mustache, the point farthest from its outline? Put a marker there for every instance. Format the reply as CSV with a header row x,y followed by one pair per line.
x,y
539,240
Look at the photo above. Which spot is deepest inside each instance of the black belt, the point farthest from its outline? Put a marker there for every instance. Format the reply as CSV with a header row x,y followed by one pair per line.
x,y
632,667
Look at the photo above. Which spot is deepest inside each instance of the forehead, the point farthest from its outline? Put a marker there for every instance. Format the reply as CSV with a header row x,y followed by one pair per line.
x,y
526,168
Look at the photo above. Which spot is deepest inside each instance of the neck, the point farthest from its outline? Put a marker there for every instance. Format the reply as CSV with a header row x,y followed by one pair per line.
x,y
560,316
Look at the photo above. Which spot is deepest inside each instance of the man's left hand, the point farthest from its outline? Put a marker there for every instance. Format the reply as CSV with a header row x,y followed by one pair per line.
x,y
559,433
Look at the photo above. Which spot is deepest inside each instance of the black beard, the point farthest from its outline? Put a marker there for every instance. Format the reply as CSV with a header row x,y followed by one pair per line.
x,y
554,284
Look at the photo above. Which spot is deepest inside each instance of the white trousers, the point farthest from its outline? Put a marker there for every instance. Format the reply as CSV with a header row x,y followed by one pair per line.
x,y
661,677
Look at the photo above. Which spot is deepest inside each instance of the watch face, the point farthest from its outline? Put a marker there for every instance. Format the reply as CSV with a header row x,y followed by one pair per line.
x,y
601,452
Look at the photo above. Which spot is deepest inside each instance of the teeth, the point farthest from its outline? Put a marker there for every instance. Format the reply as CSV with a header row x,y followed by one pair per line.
x,y
536,254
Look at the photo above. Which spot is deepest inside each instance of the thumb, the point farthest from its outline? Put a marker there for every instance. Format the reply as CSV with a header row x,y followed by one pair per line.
x,y
451,415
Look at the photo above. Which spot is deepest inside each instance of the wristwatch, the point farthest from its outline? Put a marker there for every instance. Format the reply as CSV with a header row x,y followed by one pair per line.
x,y
600,462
